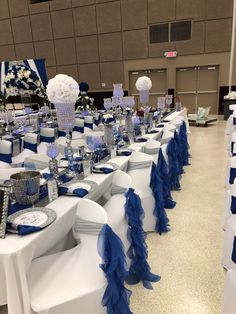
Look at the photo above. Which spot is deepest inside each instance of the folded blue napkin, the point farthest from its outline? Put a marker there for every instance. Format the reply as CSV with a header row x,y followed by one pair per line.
x,y
152,132
80,192
140,140
104,170
124,153
160,126
24,229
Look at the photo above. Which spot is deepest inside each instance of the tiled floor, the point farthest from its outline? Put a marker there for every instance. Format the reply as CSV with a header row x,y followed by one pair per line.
x,y
189,257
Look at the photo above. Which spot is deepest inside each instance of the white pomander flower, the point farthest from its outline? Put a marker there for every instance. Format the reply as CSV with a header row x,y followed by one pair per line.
x,y
62,89
143,83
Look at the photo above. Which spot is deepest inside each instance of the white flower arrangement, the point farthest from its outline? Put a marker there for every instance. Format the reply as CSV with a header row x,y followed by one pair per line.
x,y
62,89
143,83
21,78
108,118
231,95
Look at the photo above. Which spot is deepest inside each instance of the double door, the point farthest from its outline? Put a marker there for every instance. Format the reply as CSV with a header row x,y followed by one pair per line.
x,y
198,87
158,77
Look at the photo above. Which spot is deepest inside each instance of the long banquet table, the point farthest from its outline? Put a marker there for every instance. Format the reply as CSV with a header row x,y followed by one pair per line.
x,y
17,252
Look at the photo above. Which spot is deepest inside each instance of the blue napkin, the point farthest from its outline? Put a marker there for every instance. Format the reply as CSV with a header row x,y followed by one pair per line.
x,y
152,132
24,229
160,126
105,170
80,192
124,153
140,140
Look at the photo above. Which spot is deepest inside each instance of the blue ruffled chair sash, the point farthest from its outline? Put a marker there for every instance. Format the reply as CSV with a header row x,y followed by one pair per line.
x,y
163,174
234,251
139,268
232,175
174,169
184,143
162,221
233,205
47,139
6,158
116,296
30,146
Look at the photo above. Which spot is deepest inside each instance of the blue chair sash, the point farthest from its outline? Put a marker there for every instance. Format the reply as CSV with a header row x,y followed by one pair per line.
x,y
61,133
30,146
234,121
88,125
184,143
234,251
47,139
162,221
233,205
139,268
179,153
116,296
79,129
232,175
174,169
6,158
163,174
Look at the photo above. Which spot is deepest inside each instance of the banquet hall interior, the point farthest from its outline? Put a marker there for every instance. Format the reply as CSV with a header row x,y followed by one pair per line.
x,y
117,156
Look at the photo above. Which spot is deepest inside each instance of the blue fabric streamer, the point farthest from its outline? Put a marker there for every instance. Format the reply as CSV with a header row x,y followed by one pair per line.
x,y
139,268
234,251
116,296
232,175
30,146
179,151
6,158
174,170
162,172
233,205
24,229
79,129
162,223
184,143
47,139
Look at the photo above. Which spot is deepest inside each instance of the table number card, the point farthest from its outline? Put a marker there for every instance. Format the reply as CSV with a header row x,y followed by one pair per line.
x,y
4,199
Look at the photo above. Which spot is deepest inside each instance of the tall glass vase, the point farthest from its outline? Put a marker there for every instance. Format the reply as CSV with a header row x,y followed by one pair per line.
x,y
65,116
108,134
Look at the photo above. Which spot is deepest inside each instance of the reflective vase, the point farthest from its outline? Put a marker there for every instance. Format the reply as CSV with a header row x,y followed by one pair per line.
x,y
108,134
65,116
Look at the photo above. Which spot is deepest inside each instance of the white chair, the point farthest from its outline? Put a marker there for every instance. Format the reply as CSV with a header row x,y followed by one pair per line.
x,y
75,143
78,129
72,281
230,233
5,154
166,137
177,122
88,124
139,169
30,143
115,206
152,148
169,127
229,300
47,135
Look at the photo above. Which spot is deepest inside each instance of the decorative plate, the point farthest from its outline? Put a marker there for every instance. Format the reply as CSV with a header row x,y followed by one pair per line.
x,y
76,184
37,217
110,165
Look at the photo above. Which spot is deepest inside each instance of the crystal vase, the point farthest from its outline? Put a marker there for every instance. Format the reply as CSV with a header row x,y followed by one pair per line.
x,y
108,134
65,116
144,96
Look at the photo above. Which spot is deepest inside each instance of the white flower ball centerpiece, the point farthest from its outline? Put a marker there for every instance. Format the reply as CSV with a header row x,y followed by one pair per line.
x,y
143,85
63,92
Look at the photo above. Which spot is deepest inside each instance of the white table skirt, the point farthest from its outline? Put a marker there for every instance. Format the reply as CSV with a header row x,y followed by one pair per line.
x,y
17,252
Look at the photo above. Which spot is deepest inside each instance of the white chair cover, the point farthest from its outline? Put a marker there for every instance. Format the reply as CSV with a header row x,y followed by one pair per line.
x,y
88,119
6,173
139,169
30,138
169,127
45,133
152,148
72,281
75,143
229,300
166,137
115,206
230,233
5,150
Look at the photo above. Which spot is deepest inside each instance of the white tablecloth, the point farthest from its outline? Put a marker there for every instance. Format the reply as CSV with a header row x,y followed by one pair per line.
x,y
17,252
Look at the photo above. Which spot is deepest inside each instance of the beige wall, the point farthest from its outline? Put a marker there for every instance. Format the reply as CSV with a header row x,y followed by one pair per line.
x,y
99,41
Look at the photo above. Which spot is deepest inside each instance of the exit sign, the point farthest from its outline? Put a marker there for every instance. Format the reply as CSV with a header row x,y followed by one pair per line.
x,y
170,54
